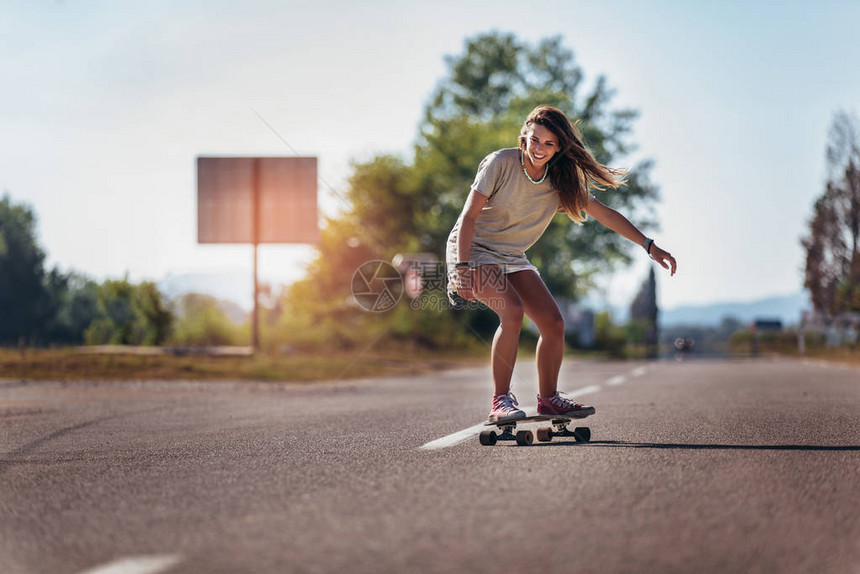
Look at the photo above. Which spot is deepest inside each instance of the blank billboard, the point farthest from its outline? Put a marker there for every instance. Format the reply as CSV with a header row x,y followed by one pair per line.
x,y
285,189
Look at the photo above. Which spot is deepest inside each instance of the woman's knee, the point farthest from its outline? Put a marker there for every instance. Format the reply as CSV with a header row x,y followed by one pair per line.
x,y
511,312
552,326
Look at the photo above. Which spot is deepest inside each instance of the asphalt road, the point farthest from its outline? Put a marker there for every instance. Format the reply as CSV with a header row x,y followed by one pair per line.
x,y
700,466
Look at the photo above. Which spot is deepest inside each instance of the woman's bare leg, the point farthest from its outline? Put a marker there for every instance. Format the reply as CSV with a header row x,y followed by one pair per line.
x,y
493,290
541,308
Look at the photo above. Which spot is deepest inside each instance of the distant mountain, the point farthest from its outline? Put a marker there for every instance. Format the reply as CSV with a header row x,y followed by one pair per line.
x,y
233,288
229,286
785,308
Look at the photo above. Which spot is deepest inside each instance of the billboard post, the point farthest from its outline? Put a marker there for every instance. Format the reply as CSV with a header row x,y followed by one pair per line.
x,y
257,200
255,317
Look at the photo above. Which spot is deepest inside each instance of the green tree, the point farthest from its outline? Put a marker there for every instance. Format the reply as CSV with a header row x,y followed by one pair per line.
x,y
608,336
129,314
25,304
319,309
826,256
201,321
154,316
644,312
832,246
76,303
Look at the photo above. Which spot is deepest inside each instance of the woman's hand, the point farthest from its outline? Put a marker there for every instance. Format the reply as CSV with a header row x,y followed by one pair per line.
x,y
664,258
463,283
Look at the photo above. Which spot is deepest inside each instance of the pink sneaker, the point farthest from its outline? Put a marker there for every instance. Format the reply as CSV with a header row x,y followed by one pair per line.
x,y
505,409
562,406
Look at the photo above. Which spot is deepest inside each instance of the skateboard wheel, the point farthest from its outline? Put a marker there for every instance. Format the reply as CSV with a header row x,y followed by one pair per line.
x,y
544,434
488,437
525,437
582,434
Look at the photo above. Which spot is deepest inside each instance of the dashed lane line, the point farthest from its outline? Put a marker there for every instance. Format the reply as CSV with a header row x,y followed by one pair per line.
x,y
137,565
583,391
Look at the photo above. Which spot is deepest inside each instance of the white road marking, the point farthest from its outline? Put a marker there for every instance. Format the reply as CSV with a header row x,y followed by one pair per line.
x,y
137,565
473,431
455,438
639,372
583,391
617,380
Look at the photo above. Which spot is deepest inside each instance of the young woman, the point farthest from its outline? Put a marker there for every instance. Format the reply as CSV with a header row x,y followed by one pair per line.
x,y
515,195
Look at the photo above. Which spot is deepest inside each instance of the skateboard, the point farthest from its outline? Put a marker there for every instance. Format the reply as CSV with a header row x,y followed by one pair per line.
x,y
526,437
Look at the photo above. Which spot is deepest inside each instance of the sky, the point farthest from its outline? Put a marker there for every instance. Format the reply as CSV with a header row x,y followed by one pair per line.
x,y
105,105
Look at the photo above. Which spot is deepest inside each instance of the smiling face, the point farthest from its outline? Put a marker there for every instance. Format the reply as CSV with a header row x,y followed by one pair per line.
x,y
541,145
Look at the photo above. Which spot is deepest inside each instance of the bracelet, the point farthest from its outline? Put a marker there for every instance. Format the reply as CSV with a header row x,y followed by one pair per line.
x,y
646,245
462,264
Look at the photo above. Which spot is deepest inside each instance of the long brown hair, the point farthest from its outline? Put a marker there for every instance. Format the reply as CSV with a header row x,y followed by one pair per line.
x,y
572,169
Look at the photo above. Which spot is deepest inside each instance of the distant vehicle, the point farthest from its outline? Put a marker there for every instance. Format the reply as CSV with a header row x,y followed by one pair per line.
x,y
683,346
765,325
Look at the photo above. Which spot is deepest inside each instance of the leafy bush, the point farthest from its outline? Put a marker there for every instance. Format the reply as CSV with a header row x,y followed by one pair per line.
x,y
202,321
608,336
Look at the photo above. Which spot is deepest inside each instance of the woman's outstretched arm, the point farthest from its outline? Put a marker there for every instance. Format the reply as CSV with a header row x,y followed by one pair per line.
x,y
622,226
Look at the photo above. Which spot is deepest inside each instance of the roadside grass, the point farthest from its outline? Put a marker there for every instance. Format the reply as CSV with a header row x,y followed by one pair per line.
x,y
840,355
82,363
785,344
71,364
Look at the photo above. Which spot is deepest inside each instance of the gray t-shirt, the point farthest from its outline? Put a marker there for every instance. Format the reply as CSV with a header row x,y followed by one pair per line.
x,y
514,217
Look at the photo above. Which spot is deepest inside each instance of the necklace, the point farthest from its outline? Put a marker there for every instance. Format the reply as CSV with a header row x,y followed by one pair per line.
x,y
525,171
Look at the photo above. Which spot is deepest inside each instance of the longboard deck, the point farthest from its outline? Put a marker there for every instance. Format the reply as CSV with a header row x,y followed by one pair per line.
x,y
535,418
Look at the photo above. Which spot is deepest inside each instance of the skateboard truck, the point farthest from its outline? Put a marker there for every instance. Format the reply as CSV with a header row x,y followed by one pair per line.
x,y
524,437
